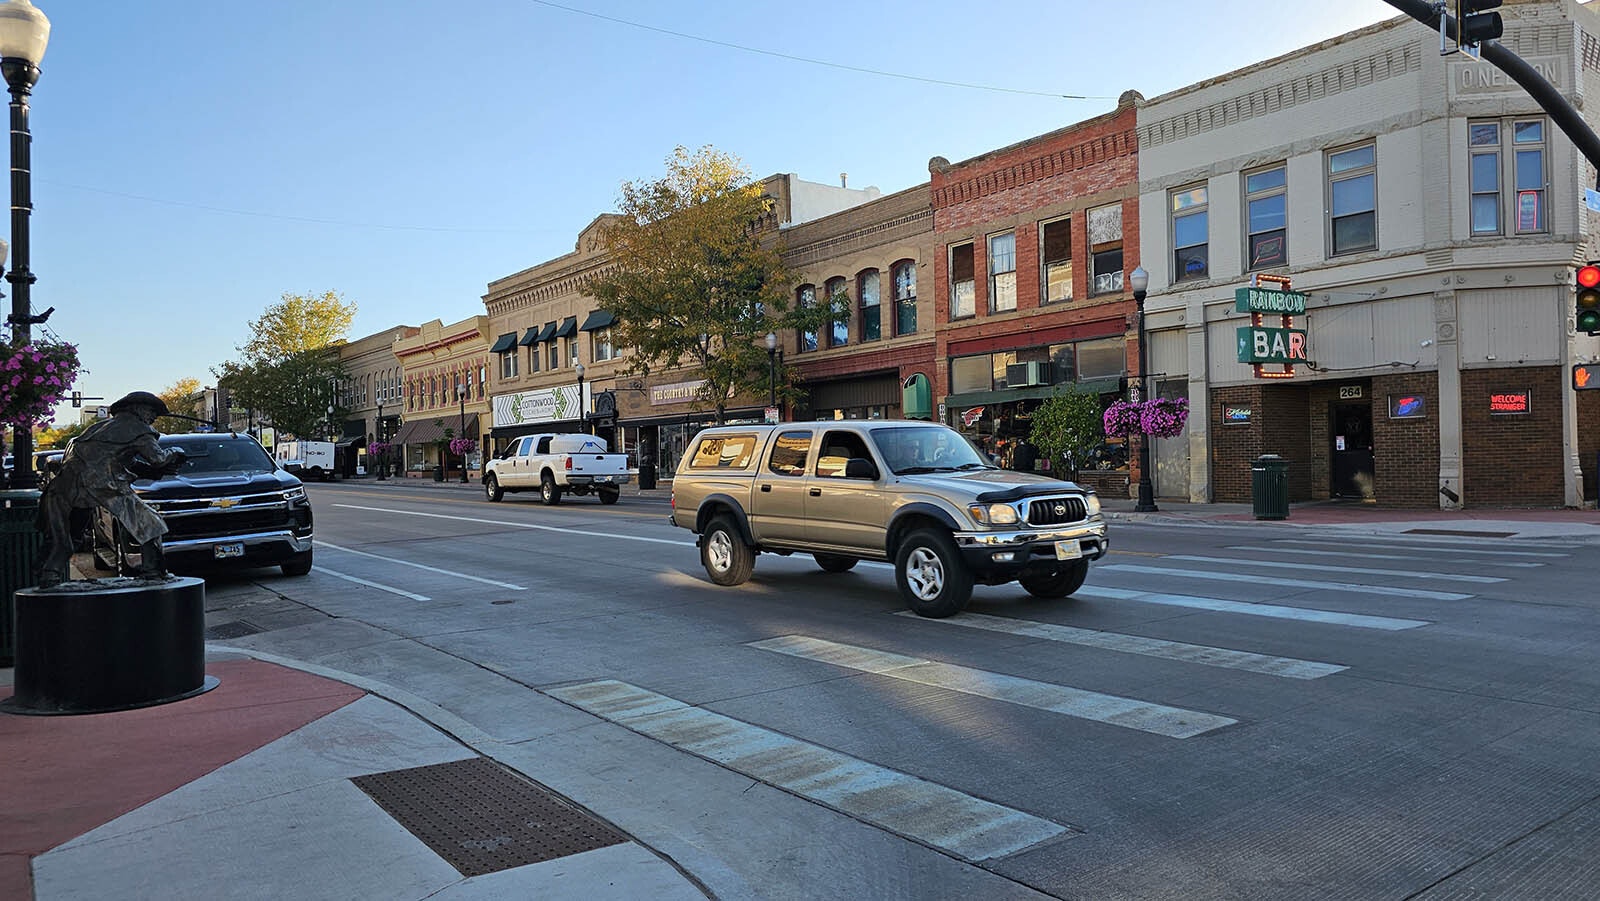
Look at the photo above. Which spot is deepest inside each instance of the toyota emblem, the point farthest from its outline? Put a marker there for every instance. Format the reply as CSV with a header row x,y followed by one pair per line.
x,y
1061,509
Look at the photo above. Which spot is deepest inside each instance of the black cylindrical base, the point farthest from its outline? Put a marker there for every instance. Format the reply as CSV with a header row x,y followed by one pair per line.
x,y
120,645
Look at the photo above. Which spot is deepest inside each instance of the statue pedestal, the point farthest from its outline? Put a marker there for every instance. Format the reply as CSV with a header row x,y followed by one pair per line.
x,y
108,644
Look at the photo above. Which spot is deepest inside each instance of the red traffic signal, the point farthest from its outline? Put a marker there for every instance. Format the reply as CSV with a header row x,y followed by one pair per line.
x,y
1586,303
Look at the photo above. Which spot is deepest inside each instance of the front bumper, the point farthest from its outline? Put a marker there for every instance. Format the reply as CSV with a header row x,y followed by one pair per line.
x,y
1013,552
260,549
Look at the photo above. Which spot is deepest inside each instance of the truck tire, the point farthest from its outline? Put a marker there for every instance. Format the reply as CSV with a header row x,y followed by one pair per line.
x,y
491,489
610,495
298,565
727,559
1058,584
932,577
549,491
835,563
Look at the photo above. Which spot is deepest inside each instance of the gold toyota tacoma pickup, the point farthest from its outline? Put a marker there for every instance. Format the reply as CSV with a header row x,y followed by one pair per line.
x,y
916,494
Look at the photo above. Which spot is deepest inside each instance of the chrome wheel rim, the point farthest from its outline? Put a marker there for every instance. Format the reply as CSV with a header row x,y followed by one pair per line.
x,y
925,573
719,551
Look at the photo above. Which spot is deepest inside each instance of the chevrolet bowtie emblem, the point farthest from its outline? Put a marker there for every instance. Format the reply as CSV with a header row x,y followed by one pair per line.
x,y
225,502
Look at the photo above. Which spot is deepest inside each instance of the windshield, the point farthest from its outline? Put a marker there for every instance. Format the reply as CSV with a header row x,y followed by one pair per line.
x,y
931,448
221,454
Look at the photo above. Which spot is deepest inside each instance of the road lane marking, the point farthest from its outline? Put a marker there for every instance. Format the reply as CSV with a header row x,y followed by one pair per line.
x,y
1287,667
1359,621
968,827
1391,541
370,584
517,525
1368,555
432,569
1286,583
1131,713
1279,564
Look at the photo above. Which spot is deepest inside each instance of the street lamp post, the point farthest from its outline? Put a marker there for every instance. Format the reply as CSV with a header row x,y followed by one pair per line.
x,y
772,369
383,458
24,32
583,413
461,395
1139,281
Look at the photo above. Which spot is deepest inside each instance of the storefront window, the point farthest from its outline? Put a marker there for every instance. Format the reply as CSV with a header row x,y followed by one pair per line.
x,y
971,374
1101,358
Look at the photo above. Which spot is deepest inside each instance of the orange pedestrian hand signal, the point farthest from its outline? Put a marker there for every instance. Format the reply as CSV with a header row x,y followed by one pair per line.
x,y
1585,377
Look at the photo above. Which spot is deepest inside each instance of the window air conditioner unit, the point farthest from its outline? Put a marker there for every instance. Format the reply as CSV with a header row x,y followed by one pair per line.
x,y
1023,375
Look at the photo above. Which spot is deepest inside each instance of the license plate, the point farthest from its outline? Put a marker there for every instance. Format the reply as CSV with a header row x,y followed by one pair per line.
x,y
231,549
602,478
1068,550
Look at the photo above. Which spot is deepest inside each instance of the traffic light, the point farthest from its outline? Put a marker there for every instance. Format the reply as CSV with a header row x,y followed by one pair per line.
x,y
1474,25
1586,303
77,398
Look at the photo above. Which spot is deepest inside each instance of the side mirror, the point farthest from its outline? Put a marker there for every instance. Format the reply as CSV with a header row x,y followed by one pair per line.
x,y
860,468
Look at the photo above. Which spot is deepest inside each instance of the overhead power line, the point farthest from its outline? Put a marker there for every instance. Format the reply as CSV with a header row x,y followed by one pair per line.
x,y
816,62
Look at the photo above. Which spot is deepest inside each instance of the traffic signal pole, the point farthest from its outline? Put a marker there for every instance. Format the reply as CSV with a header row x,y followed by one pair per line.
x,y
1569,120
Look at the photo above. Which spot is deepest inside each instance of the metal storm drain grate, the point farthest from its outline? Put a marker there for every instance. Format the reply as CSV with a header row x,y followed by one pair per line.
x,y
482,818
1459,532
236,629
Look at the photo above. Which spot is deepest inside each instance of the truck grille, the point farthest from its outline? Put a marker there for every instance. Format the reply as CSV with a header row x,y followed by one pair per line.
x,y
1056,510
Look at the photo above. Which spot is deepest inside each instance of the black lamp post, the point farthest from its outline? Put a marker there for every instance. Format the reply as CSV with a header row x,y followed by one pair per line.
x,y
583,413
24,32
772,369
461,395
383,458
1139,281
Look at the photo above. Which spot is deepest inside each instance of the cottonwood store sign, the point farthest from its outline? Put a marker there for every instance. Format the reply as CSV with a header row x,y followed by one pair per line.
x,y
544,405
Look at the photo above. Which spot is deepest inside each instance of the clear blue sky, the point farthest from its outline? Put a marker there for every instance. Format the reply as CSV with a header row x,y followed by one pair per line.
x,y
195,159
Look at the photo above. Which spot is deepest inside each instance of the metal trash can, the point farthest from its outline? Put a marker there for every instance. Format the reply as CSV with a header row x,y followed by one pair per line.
x,y
19,554
647,475
438,473
1269,487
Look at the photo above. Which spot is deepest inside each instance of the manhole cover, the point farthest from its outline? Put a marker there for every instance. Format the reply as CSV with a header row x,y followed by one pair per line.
x,y
236,629
482,818
1469,534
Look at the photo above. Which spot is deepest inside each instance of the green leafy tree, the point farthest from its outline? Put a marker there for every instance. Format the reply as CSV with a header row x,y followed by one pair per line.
x,y
288,368
1067,427
54,438
184,398
696,279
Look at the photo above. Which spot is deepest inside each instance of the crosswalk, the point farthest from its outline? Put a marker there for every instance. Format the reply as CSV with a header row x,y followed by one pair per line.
x,y
1297,574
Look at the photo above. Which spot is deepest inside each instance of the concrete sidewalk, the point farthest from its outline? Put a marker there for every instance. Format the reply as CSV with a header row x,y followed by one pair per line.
x,y
272,784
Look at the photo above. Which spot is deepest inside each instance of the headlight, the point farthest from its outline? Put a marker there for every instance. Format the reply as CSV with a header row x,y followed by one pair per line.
x,y
294,494
1092,501
993,514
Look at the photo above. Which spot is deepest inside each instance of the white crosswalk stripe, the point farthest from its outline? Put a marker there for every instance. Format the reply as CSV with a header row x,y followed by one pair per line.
x,y
1370,555
1320,567
1389,542
1219,605
1286,583
1287,667
937,815
1157,719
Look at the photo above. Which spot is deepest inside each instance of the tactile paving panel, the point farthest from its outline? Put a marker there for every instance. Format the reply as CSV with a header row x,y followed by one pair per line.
x,y
482,818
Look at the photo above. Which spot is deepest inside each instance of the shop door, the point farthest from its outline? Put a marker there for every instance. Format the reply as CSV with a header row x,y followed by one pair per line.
x,y
1169,463
1352,451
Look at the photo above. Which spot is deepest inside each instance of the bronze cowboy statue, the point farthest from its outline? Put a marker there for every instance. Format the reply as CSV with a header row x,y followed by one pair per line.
x,y
98,470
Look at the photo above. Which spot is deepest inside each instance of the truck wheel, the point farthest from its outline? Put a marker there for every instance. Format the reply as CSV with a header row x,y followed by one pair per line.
x,y
727,559
491,489
298,565
610,495
549,491
835,563
1058,584
933,578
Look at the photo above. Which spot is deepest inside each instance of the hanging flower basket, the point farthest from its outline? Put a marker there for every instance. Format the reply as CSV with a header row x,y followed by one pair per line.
x,y
1122,419
378,448
463,446
33,379
1164,418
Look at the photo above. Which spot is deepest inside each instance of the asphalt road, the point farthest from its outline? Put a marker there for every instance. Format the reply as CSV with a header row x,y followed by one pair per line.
x,y
1224,711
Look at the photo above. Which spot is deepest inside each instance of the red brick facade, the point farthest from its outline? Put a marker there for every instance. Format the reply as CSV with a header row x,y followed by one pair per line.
x,y
1516,460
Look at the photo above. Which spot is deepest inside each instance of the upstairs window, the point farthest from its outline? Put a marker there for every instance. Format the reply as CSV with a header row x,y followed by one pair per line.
x,y
1191,234
1055,253
806,298
871,311
1105,249
1266,199
963,292
1507,154
838,299
603,348
905,297
1353,199
1003,272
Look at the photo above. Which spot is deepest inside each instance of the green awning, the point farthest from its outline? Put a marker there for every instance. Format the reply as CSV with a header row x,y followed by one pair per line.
x,y
504,343
1036,392
531,336
597,320
548,332
569,327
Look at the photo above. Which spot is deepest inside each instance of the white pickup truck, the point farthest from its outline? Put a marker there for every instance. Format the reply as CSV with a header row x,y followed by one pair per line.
x,y
553,464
